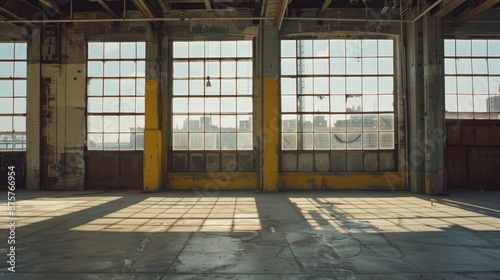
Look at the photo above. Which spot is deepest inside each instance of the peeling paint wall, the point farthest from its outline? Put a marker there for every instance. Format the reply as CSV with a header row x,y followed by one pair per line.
x,y
62,99
63,86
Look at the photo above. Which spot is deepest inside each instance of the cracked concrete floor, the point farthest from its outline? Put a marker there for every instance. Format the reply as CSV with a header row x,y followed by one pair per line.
x,y
246,235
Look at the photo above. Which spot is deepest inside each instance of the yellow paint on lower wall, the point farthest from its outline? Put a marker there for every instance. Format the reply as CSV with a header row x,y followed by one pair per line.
x,y
152,160
212,181
287,181
314,181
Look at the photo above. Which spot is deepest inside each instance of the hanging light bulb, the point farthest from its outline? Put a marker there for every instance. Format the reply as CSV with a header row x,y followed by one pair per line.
x,y
208,82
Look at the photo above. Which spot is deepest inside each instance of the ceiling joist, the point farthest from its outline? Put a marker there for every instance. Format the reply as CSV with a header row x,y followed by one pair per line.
x,y
474,12
144,8
325,6
7,15
208,5
106,7
53,7
163,6
10,14
447,6
280,13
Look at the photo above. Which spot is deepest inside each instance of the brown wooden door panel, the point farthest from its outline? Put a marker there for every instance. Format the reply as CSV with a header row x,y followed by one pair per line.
x,y
114,170
456,166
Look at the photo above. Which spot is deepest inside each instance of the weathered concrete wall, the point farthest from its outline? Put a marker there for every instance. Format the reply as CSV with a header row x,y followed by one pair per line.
x,y
63,116
63,100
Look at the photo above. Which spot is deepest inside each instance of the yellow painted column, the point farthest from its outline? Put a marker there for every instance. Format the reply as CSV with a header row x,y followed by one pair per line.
x,y
152,139
271,133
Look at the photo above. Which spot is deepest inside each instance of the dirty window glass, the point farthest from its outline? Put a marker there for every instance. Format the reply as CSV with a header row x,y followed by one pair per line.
x,y
334,92
472,79
212,102
13,72
115,95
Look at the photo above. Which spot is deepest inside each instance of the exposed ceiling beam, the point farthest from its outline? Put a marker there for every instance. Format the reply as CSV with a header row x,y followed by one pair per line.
x,y
447,6
9,13
263,8
20,8
208,5
144,8
325,6
163,6
475,12
280,13
53,7
106,7
23,27
472,3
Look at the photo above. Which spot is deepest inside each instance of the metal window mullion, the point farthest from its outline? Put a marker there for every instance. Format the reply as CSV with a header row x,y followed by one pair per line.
x,y
488,82
300,129
220,108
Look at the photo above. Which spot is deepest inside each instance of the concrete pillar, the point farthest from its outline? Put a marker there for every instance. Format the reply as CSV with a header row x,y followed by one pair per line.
x,y
63,111
33,113
74,122
152,133
270,111
434,105
415,107
426,126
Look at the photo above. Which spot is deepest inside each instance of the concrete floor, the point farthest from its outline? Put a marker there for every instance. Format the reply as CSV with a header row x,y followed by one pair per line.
x,y
245,235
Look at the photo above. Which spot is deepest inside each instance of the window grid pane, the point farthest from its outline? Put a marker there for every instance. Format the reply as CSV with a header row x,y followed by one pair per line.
x,y
344,104
212,96
472,79
13,69
115,90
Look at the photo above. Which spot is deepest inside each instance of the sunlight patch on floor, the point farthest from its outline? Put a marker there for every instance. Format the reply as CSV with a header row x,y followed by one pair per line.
x,y
36,210
395,214
176,214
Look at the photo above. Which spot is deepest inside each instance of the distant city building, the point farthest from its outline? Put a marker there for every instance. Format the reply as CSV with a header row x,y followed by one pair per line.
x,y
493,103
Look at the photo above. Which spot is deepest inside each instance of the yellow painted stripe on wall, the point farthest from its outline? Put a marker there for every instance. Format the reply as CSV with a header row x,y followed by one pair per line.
x,y
212,181
314,181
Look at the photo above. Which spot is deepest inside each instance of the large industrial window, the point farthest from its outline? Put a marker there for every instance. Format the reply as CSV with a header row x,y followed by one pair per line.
x,y
13,96
115,95
212,105
472,79
336,95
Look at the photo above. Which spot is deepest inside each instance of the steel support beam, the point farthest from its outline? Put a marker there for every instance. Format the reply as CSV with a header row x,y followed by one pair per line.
x,y
474,12
163,6
280,13
447,7
10,14
325,6
472,3
53,7
144,8
107,8
208,5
